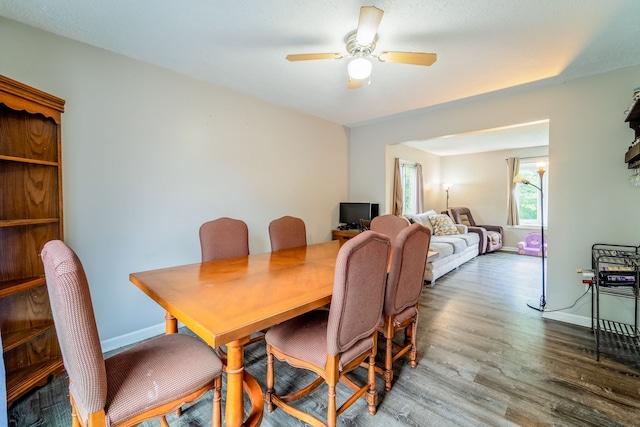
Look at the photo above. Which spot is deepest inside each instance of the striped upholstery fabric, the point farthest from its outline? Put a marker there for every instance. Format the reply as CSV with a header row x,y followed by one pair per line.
x,y
335,342
224,238
153,373
404,288
135,381
305,338
358,292
406,274
76,326
287,232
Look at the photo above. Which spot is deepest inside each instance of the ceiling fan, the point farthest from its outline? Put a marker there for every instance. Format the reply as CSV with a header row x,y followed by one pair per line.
x,y
361,43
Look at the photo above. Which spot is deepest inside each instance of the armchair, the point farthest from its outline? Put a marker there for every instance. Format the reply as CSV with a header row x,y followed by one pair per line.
x,y
533,245
490,235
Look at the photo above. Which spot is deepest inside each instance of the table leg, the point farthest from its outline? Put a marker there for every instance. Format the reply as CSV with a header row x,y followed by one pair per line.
x,y
234,405
171,327
171,324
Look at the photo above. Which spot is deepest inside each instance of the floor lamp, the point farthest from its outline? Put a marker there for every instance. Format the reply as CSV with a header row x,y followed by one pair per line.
x,y
446,188
522,180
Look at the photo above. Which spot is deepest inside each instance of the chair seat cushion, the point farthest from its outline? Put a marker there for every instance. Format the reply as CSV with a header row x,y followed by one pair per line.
x,y
494,236
405,314
161,369
305,338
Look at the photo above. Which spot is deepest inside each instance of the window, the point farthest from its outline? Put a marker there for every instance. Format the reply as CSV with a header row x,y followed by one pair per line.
x,y
409,176
528,196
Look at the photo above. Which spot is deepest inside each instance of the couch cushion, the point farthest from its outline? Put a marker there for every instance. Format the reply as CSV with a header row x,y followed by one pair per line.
x,y
413,219
443,249
494,236
470,238
464,219
422,218
455,242
442,225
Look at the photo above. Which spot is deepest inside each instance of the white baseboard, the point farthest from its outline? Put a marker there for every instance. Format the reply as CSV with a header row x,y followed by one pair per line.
x,y
508,249
132,337
568,318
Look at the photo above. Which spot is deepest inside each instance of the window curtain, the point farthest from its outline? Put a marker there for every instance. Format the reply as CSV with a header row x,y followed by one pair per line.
x,y
419,189
397,189
513,166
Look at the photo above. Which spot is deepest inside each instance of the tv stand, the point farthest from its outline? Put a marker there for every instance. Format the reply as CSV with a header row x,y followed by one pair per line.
x,y
349,227
344,235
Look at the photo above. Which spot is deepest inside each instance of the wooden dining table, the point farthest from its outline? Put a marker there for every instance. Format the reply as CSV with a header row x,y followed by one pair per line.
x,y
225,301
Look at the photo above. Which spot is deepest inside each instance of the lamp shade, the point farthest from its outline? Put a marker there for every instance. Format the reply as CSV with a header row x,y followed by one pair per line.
x,y
359,68
519,179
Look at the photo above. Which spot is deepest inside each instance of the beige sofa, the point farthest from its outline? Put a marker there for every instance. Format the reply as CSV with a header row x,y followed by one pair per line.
x,y
454,248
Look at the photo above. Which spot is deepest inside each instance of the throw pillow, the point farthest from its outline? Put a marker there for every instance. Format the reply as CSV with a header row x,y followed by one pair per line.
x,y
423,219
442,225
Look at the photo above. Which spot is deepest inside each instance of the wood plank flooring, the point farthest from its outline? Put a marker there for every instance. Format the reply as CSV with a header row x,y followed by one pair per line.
x,y
485,359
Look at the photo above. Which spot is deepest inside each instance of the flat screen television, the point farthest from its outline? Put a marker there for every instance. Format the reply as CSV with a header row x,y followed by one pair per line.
x,y
352,212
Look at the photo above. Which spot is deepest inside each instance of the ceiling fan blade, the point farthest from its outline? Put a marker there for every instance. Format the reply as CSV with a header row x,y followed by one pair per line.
x,y
311,56
370,17
355,83
413,58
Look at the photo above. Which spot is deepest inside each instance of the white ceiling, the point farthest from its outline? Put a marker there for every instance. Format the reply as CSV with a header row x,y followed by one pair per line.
x,y
482,45
522,135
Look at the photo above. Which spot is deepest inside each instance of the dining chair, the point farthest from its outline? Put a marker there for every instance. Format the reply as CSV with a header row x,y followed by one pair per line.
x,y
147,380
224,238
287,232
389,225
334,342
402,295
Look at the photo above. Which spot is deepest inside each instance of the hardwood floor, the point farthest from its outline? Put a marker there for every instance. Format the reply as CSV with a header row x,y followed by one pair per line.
x,y
485,359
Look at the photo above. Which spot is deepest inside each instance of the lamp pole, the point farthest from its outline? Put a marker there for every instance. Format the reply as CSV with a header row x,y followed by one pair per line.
x,y
522,180
446,188
543,301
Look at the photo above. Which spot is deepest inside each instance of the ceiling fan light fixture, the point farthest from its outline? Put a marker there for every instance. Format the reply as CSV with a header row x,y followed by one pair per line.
x,y
359,68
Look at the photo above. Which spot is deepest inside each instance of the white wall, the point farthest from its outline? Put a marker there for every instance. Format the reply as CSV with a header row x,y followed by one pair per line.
x,y
149,155
589,198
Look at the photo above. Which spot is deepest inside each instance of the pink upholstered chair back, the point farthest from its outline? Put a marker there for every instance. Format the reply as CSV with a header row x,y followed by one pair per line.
x,y
287,232
75,325
389,225
224,238
358,291
406,275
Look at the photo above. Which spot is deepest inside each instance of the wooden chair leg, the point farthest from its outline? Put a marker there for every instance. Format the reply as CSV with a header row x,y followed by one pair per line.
x,y
413,355
270,379
372,393
332,378
388,365
75,422
216,416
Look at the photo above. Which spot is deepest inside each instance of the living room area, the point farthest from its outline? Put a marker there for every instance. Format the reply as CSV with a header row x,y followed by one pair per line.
x,y
474,169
